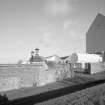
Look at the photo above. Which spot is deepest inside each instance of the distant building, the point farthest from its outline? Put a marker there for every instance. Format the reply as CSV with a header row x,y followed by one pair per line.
x,y
64,59
54,58
35,57
95,36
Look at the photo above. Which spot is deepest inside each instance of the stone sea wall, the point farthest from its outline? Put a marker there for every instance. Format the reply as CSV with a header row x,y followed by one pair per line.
x,y
39,74
19,76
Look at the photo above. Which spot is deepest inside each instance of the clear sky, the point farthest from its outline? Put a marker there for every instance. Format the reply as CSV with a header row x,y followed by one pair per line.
x,y
55,26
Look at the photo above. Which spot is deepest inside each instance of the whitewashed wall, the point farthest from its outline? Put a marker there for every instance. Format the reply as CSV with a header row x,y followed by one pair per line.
x,y
9,83
85,58
97,67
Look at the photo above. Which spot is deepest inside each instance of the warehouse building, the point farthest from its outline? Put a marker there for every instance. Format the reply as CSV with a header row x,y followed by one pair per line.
x,y
95,36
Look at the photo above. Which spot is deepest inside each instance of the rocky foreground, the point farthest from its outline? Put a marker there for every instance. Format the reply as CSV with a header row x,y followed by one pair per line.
x,y
90,96
73,93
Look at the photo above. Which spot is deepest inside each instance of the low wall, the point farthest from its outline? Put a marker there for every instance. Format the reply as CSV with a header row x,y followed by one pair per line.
x,y
97,67
27,75
34,74
9,83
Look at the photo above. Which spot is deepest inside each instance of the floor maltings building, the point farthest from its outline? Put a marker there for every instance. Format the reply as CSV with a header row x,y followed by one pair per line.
x,y
95,36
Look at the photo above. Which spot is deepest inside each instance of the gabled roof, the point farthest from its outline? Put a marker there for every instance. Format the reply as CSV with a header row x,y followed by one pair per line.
x,y
53,58
98,21
63,58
